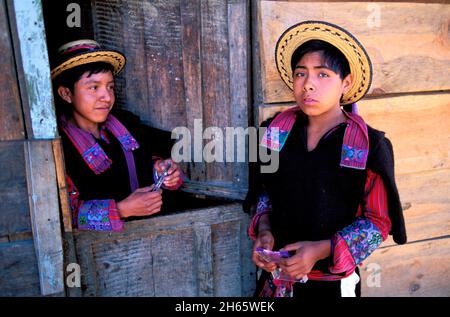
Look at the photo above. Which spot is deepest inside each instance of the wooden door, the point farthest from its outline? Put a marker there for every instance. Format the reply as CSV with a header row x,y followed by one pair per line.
x,y
186,61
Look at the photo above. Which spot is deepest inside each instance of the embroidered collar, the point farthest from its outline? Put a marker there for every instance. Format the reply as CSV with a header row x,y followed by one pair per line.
x,y
94,156
355,146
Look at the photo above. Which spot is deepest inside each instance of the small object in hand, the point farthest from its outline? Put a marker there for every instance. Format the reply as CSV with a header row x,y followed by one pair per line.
x,y
272,256
161,178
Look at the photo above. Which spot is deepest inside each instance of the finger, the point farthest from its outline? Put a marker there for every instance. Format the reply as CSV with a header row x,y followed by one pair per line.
x,y
144,189
292,247
172,177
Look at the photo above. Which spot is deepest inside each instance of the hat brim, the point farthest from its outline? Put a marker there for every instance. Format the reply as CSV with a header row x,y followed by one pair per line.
x,y
116,59
358,59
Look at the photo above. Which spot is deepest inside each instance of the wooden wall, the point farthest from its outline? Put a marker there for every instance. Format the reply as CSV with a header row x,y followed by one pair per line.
x,y
18,264
186,60
409,100
204,252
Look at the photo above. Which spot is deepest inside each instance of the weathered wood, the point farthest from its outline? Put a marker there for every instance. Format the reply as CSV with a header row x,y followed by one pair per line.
x,y
44,210
411,122
192,69
414,269
417,125
183,254
11,121
426,203
186,61
204,263
19,274
239,41
62,185
385,31
36,86
14,207
226,257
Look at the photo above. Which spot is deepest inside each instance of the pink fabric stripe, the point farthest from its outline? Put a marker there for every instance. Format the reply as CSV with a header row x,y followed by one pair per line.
x,y
84,46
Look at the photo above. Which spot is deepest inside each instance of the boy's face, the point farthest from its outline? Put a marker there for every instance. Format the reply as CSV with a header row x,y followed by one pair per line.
x,y
317,88
92,99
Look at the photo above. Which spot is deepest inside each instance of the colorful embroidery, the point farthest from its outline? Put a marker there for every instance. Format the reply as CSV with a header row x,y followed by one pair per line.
x,y
264,204
96,158
274,138
350,153
263,207
100,215
362,238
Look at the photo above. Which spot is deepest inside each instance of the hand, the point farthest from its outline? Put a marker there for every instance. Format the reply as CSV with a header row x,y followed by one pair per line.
x,y
264,240
307,253
174,176
142,202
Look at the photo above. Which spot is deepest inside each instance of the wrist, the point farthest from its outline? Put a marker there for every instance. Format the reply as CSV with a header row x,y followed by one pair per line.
x,y
121,209
324,249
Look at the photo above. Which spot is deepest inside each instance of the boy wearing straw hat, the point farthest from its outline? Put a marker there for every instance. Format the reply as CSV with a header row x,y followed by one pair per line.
x,y
333,199
109,158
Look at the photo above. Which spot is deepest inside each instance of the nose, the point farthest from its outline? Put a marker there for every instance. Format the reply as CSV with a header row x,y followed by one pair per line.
x,y
308,84
106,95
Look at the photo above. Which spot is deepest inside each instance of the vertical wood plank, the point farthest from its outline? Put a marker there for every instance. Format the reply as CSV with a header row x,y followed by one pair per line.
x,y
44,209
37,86
205,275
191,42
11,121
216,66
14,206
238,33
62,185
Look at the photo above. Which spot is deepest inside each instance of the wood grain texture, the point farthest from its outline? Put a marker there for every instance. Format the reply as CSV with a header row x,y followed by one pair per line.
x,y
45,218
402,38
191,253
14,205
19,275
417,125
411,270
11,127
186,61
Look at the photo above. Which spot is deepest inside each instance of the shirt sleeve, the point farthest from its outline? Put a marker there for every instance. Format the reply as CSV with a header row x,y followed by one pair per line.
x,y
98,215
263,207
353,244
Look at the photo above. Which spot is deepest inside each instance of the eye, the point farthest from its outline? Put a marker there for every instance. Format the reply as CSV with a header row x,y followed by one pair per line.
x,y
111,87
323,75
93,87
299,74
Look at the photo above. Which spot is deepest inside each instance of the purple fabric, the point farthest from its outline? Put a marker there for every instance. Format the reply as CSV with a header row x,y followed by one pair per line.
x,y
93,154
99,215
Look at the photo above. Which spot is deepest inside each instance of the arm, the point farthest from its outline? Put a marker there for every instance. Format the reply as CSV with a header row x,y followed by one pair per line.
x,y
357,241
263,208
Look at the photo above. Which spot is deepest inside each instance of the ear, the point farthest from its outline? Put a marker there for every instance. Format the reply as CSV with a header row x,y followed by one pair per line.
x,y
347,83
65,93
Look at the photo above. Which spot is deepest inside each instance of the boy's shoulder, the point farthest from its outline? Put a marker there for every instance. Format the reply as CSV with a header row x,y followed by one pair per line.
x,y
380,148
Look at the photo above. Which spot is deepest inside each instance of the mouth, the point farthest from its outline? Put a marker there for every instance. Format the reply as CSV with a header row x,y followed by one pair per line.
x,y
309,100
103,108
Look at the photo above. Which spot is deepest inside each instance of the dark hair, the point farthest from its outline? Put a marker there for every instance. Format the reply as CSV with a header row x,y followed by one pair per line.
x,y
332,57
68,79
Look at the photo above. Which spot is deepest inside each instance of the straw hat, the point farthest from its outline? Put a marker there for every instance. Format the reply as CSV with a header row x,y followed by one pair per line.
x,y
358,59
82,52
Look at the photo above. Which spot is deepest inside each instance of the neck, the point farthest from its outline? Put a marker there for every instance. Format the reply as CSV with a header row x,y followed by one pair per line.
x,y
90,127
326,120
